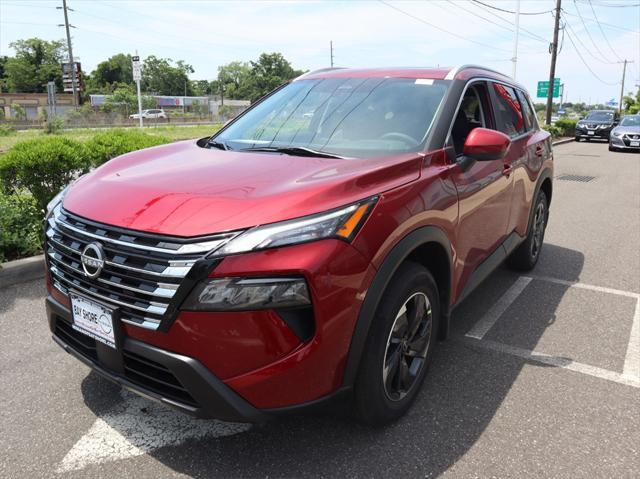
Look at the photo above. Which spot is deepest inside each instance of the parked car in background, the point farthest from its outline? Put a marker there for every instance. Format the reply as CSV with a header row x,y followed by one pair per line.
x,y
597,124
292,259
626,136
150,114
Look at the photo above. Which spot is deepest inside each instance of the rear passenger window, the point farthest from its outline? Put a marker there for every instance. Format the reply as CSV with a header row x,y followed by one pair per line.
x,y
527,112
509,112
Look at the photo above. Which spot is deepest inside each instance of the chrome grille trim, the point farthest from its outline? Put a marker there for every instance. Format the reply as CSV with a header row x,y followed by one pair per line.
x,y
140,280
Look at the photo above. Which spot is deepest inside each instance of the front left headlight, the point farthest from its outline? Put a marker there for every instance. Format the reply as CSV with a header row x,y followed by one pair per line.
x,y
342,223
617,134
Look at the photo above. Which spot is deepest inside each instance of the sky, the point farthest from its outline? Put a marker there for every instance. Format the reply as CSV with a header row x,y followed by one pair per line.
x,y
365,33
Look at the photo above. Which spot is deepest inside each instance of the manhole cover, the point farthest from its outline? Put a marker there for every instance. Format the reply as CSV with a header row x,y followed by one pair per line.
x,y
580,178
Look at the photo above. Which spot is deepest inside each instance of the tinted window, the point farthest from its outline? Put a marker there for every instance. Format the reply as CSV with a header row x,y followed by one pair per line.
x,y
509,111
630,121
599,116
473,113
527,112
356,117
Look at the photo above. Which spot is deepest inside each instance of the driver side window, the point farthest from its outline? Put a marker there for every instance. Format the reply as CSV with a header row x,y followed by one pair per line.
x,y
473,113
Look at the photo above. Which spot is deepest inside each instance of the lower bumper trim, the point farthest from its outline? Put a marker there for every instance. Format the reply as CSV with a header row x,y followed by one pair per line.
x,y
213,398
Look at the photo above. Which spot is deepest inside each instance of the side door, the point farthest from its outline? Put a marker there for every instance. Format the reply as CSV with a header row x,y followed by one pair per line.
x,y
484,187
516,120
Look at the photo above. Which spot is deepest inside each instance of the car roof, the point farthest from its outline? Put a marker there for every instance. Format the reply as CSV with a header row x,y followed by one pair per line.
x,y
463,72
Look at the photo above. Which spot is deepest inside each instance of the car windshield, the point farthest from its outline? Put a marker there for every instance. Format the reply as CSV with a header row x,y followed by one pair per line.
x,y
631,121
350,117
600,116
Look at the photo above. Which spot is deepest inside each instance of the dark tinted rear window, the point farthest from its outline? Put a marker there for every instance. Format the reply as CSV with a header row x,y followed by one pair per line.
x,y
509,111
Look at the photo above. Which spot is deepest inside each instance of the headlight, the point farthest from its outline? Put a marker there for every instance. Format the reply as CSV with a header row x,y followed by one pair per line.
x,y
56,199
242,294
617,134
580,124
342,223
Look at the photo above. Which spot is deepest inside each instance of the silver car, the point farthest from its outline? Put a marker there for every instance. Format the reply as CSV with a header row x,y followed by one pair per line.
x,y
626,136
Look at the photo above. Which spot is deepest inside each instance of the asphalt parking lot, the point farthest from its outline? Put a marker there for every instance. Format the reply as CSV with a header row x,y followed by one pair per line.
x,y
540,378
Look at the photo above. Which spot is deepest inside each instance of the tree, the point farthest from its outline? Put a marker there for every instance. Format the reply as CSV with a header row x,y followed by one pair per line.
x,y
270,71
117,69
631,103
36,62
235,79
124,100
160,77
3,61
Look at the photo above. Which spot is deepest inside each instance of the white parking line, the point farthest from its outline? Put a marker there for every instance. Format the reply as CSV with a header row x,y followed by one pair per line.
x,y
592,287
557,362
487,321
632,359
137,426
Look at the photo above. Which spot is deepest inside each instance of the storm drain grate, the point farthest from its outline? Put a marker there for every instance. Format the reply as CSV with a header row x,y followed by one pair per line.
x,y
580,178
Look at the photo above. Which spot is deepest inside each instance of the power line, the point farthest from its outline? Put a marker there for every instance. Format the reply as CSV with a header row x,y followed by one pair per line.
x,y
529,33
602,32
510,11
590,38
633,5
422,20
585,63
608,25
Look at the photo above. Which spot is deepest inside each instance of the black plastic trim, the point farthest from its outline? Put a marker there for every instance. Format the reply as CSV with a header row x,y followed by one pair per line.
x,y
394,259
215,399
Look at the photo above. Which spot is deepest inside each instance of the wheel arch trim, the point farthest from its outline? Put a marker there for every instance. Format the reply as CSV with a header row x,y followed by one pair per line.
x,y
400,252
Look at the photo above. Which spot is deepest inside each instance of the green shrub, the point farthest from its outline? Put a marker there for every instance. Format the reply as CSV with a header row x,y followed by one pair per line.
x,y
54,125
7,130
43,166
109,144
553,129
567,127
20,226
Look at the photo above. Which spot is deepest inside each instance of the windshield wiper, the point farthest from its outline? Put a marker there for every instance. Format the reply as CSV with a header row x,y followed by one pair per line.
x,y
294,150
218,144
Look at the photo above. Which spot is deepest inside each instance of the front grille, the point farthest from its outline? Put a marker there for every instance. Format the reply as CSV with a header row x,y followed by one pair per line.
x,y
142,272
155,377
78,341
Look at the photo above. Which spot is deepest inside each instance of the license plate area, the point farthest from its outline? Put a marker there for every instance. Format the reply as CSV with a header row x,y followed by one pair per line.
x,y
635,143
591,133
93,319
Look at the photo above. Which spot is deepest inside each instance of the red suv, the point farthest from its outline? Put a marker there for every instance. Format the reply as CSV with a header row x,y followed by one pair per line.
x,y
314,247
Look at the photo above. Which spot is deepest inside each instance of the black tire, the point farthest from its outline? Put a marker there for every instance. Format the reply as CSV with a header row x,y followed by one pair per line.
x,y
378,402
611,148
526,255
577,138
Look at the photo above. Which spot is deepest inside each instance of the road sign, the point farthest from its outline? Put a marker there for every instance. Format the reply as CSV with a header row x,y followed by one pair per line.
x,y
543,88
137,68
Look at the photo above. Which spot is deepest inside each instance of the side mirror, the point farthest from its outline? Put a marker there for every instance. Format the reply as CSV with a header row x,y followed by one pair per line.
x,y
483,144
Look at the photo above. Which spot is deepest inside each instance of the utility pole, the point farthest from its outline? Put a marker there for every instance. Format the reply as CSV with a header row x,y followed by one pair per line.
x,y
72,64
331,51
554,55
515,42
624,71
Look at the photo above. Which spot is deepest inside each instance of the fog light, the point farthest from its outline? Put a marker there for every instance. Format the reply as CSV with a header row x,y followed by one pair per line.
x,y
242,294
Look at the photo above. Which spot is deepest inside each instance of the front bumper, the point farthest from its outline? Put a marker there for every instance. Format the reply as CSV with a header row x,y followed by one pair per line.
x,y
624,143
178,381
598,133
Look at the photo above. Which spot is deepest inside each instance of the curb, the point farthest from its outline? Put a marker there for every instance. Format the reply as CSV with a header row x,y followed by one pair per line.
x,y
562,142
21,270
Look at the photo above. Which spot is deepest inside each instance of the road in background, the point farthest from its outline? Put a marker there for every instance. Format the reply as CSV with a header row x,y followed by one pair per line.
x,y
538,378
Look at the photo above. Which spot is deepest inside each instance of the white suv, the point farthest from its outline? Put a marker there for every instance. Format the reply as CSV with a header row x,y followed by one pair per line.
x,y
150,114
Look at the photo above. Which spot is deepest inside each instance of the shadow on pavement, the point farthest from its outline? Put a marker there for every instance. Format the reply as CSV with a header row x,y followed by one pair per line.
x,y
463,391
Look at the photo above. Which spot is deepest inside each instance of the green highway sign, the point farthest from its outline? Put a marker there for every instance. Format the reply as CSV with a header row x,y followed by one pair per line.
x,y
543,88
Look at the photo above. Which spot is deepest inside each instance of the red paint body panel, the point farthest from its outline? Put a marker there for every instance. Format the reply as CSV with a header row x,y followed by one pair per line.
x,y
184,190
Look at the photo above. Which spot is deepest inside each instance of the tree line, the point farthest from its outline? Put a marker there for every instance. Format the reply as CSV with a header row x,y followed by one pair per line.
x,y
38,61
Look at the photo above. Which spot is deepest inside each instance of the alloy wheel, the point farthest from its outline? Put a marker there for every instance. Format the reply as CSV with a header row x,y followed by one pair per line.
x,y
538,229
407,346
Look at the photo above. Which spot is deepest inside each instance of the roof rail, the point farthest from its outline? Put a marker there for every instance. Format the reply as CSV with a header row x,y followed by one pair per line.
x,y
457,69
320,70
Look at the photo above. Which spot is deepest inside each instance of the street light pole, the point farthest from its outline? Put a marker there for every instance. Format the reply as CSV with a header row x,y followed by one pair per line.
x,y
515,42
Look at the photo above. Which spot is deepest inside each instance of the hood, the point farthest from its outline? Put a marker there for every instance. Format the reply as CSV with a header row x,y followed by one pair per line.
x,y
184,190
596,122
630,130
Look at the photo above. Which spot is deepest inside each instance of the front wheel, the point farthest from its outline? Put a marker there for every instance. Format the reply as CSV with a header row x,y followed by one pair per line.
x,y
399,346
525,257
577,138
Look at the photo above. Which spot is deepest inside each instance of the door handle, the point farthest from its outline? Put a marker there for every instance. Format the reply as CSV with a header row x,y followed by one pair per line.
x,y
539,150
507,170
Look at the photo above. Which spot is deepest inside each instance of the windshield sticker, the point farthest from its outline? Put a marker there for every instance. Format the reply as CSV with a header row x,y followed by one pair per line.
x,y
424,81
